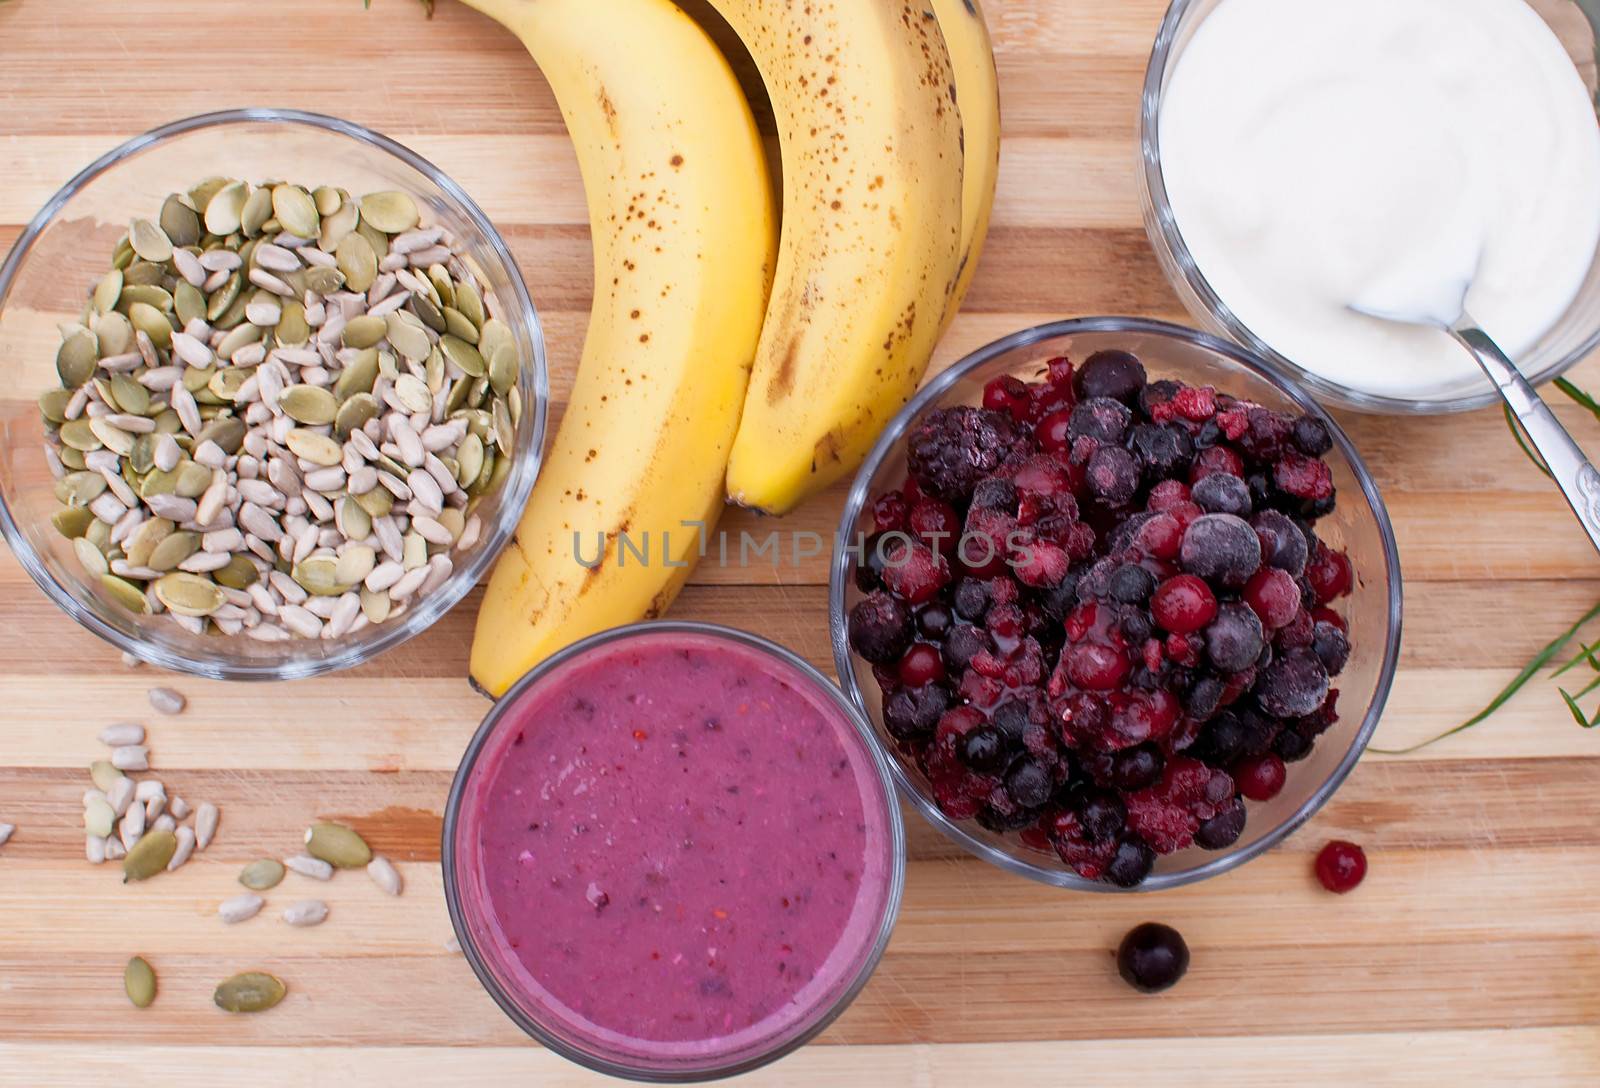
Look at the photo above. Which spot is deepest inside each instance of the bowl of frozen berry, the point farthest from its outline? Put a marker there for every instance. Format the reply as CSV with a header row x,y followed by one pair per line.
x,y
1121,602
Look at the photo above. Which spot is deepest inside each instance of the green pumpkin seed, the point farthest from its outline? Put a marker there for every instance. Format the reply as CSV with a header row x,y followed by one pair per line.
x,y
139,980
196,378
353,519
406,333
189,594
376,503
234,315
223,297
90,557
502,469
456,324
150,294
143,457
505,435
338,225
111,436
390,212
296,211
375,606
319,576
238,338
193,479
152,322
142,541
188,302
79,435
107,291
309,404
378,240
358,375
77,358
481,484
53,404
470,303
316,448
143,274
255,213
149,855
323,280
225,431
99,534
261,875
115,333
129,395
493,334
201,194
357,261
327,199
240,573
72,522
463,355
225,384
429,314
337,845
292,329
388,365
412,393
158,483
252,991
354,564
223,210
503,368
179,222
174,549
365,331
355,412
150,241
458,395
444,287
80,488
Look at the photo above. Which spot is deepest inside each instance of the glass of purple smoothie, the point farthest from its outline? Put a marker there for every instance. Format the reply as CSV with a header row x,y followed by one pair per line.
x,y
672,852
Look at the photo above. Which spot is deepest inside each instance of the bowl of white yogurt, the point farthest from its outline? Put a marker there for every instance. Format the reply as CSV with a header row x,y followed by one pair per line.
x,y
1299,155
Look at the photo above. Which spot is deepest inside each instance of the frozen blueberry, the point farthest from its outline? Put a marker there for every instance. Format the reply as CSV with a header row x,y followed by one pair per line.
x,y
880,628
1223,829
1000,822
914,712
1311,436
1101,418
1221,741
994,493
1029,784
1235,638
1292,686
1204,698
1166,449
983,749
1059,599
1115,374
1159,392
1137,767
1221,547
1283,543
963,644
1113,476
972,599
1131,584
1222,493
1102,814
1332,647
1012,720
1131,863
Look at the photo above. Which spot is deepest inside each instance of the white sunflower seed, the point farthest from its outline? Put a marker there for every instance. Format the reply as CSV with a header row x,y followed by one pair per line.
x,y
385,875
308,866
241,908
205,824
307,912
185,848
131,757
166,700
122,733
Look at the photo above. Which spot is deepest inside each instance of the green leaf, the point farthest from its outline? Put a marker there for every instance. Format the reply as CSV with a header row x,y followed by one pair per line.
x,y
1577,712
1579,396
1522,443
1531,669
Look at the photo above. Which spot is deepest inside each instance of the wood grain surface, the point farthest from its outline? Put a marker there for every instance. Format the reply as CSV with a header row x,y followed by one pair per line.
x,y
1469,956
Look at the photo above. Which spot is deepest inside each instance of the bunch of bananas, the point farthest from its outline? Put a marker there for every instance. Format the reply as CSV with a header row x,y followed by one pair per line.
x,y
727,358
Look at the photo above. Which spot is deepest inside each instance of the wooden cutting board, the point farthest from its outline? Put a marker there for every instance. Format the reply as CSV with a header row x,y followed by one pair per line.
x,y
1468,956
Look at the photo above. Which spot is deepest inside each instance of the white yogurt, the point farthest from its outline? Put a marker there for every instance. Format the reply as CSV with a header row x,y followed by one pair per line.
x,y
1317,152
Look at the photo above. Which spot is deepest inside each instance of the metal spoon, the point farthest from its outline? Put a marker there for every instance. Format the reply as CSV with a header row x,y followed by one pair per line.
x,y
1573,473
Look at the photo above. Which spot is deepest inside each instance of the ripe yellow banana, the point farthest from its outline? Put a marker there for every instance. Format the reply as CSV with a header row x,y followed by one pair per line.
x,y
870,136
978,94
684,233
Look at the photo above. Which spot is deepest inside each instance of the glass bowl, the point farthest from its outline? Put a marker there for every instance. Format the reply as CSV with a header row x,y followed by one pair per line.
x,y
67,248
1562,347
540,1014
1359,523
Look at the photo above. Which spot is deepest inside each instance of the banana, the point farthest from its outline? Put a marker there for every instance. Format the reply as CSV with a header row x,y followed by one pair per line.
x,y
684,233
978,94
870,136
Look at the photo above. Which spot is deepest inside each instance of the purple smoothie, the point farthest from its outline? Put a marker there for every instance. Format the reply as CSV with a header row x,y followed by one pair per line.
x,y
674,847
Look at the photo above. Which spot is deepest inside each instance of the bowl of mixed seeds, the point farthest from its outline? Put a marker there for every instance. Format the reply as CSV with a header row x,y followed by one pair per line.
x,y
277,395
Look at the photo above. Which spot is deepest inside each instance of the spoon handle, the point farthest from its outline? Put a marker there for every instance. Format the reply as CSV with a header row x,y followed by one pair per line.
x,y
1573,473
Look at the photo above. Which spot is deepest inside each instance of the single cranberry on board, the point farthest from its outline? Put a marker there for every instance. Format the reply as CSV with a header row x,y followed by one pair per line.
x,y
1341,866
1139,625
1152,957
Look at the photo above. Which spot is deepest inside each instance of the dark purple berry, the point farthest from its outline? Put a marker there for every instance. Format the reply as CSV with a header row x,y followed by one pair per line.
x,y
1029,784
869,571
1293,686
1223,829
972,599
983,749
1311,436
1204,698
953,448
1102,419
880,628
1115,374
1283,544
1235,638
1131,584
1012,719
1332,647
1222,548
1152,957
933,621
1291,745
1221,493
1137,767
1136,627
1156,393
1166,450
1102,814
1221,742
963,644
1131,863
1010,819
1112,475
915,712
994,493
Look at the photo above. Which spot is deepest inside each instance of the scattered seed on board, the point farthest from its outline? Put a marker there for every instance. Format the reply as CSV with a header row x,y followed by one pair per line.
x,y
179,808
185,847
131,757
252,991
149,855
240,908
167,701
121,734
263,874
385,875
306,865
205,824
139,982
451,944
94,849
6,831
337,845
130,660
307,912
121,795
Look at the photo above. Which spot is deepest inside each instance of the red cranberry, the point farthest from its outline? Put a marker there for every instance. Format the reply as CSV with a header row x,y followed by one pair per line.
x,y
1006,394
889,512
1216,459
1167,494
921,665
1341,866
1096,667
1053,431
1183,604
915,572
936,524
1260,778
1274,597
1161,537
1329,574
1152,957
